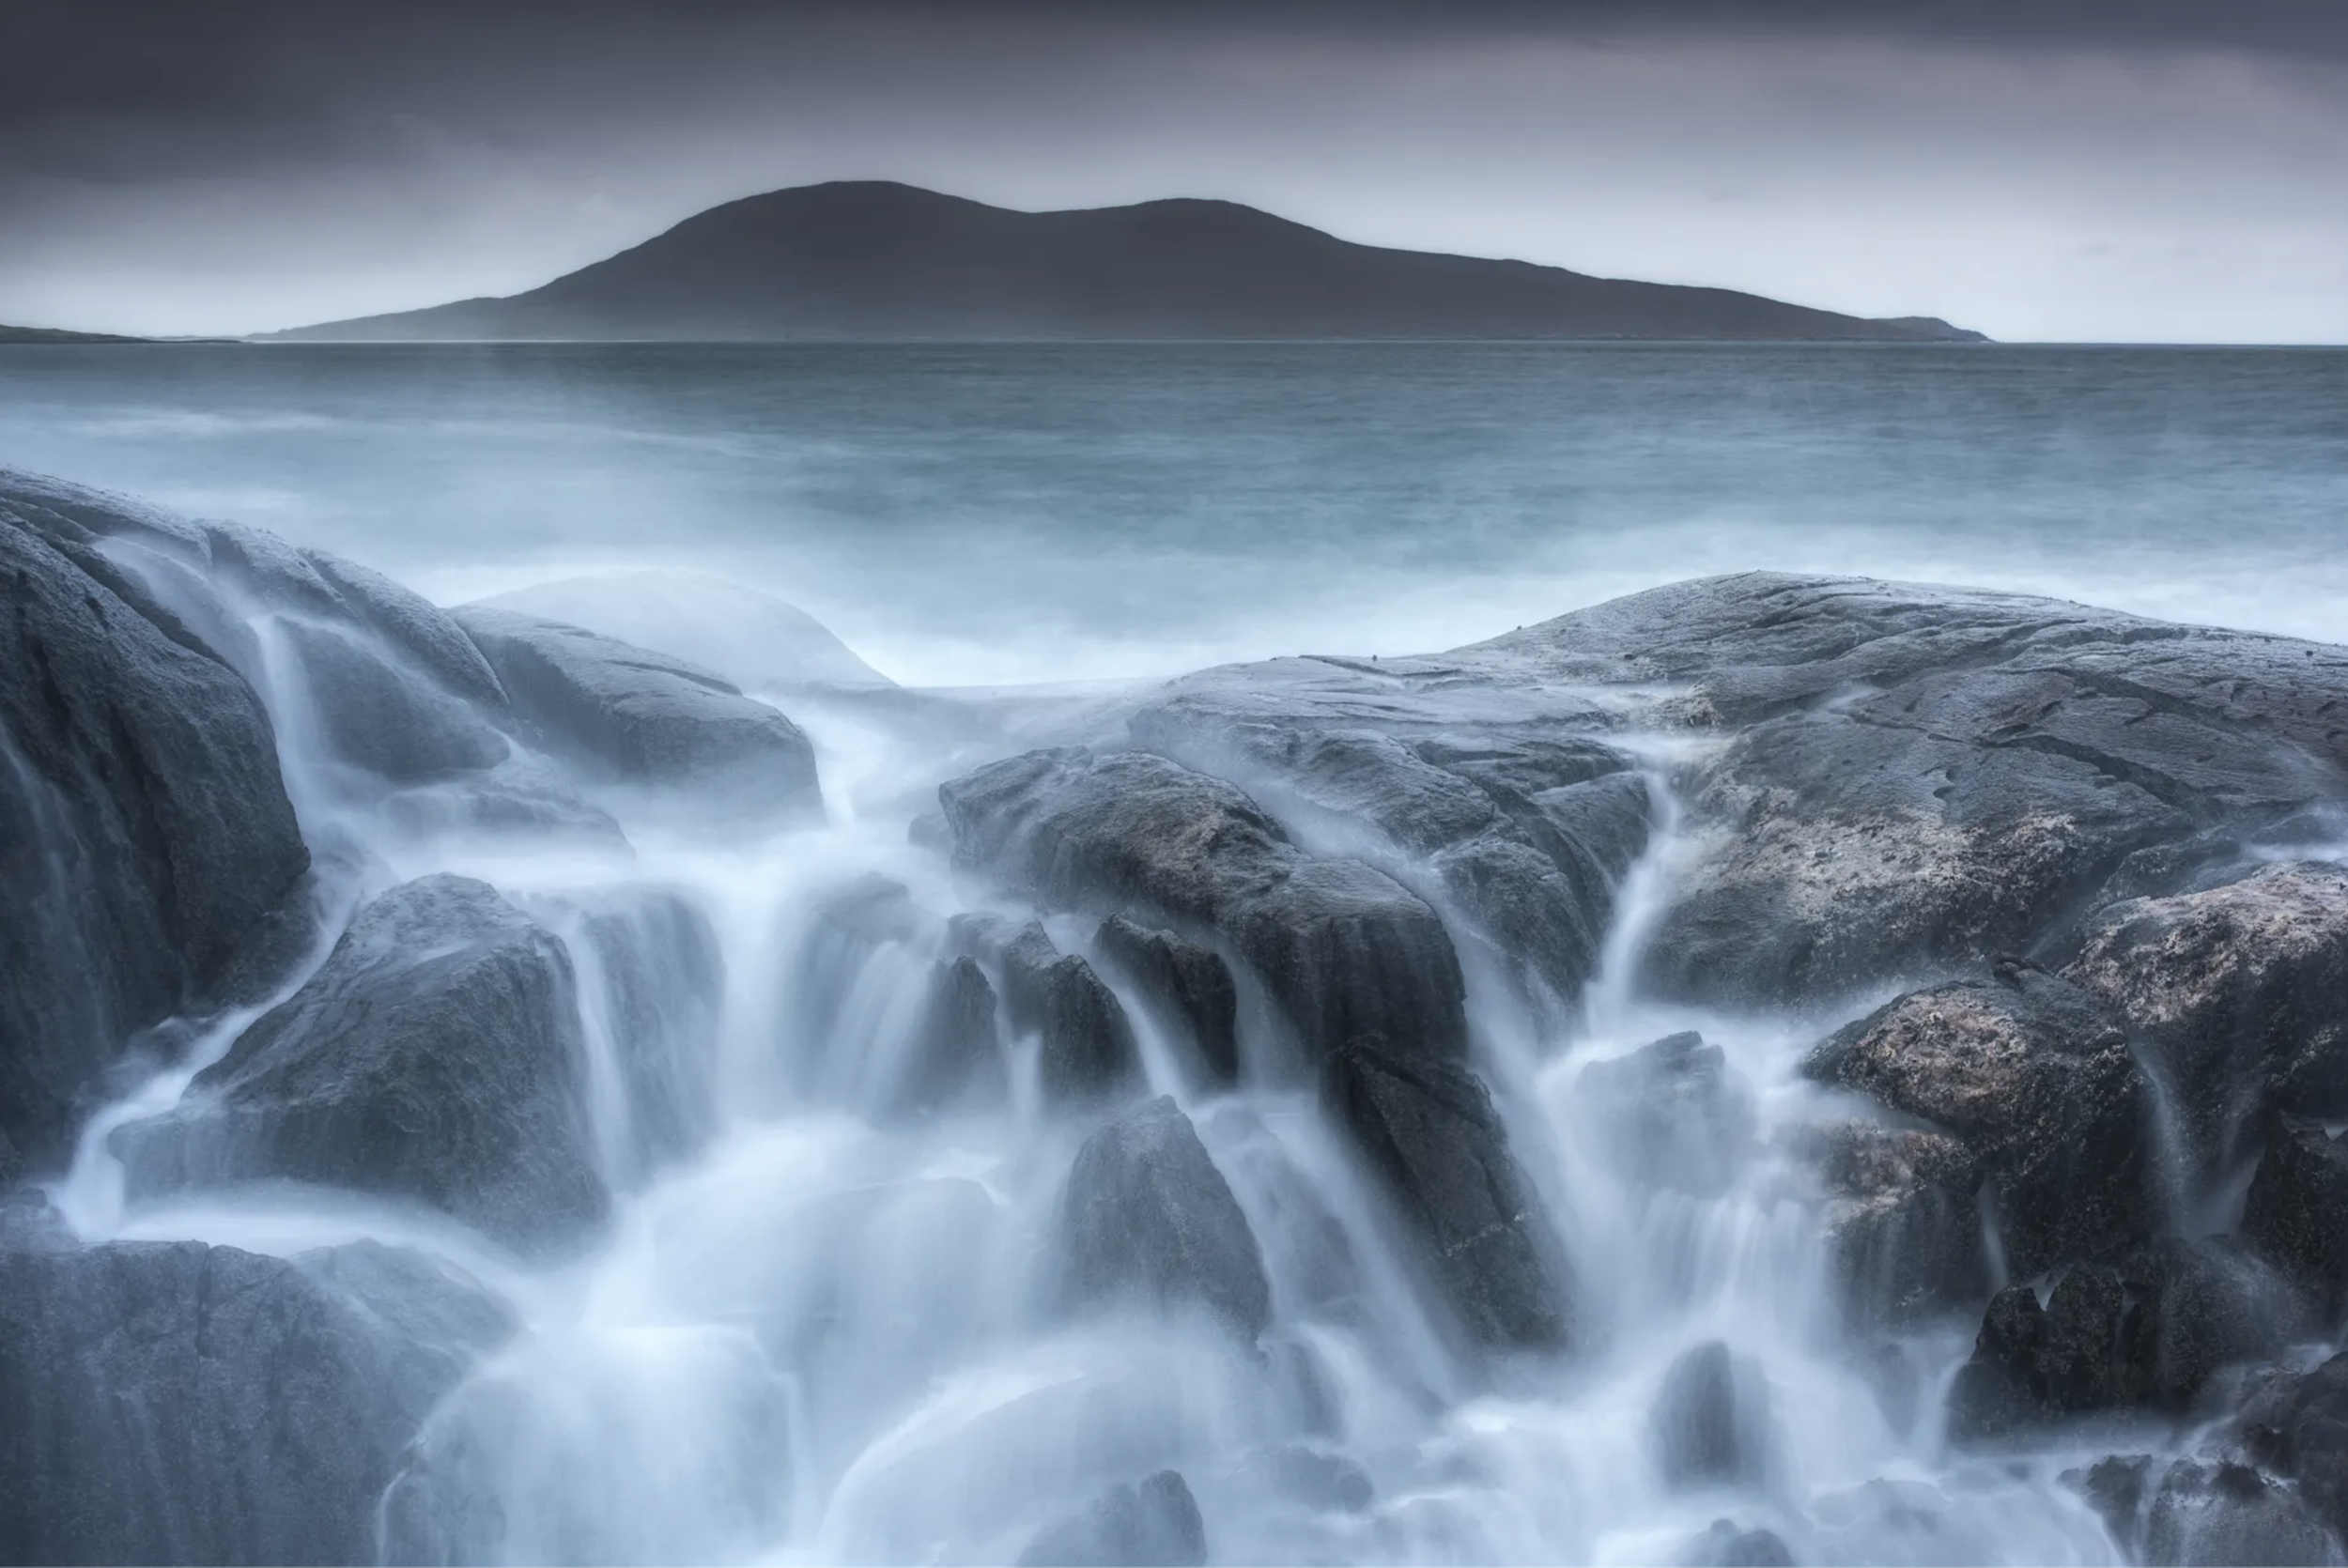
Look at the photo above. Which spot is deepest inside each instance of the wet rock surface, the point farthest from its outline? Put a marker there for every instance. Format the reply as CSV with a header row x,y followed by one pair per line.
x,y
146,836
1154,1524
1903,1221
2296,1214
1186,982
1429,1133
643,719
1342,949
170,1402
1712,1421
435,1057
2238,989
2036,1077
1148,1218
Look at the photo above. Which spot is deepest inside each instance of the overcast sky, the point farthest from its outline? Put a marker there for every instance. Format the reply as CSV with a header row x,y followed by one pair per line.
x,y
2104,169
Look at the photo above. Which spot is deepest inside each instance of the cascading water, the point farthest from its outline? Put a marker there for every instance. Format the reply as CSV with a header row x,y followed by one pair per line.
x,y
823,1326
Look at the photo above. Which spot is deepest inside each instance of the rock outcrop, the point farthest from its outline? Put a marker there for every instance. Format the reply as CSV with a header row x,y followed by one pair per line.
x,y
1903,1221
633,717
435,1057
146,836
1149,1219
2035,1076
2296,1214
170,1402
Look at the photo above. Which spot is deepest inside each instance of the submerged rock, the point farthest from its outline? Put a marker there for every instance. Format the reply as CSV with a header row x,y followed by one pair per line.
x,y
1148,1218
1712,1421
1671,1114
2036,1077
641,718
1154,1524
170,1402
1185,982
652,956
2222,1514
375,712
2237,989
1429,1136
434,1056
146,838
1723,1546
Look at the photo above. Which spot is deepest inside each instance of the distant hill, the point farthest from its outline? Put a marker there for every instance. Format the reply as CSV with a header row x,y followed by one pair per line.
x,y
54,334
876,260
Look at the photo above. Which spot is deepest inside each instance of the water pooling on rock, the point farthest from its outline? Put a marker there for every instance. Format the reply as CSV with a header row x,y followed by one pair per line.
x,y
1774,1069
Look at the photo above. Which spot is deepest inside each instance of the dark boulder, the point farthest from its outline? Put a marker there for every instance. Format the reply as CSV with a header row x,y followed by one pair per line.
x,y
1026,961
2240,992
2297,1213
1713,1423
1671,1113
146,838
1147,1218
1723,1546
1186,983
1343,950
435,1057
1089,1052
2036,1077
956,1054
1431,1139
2151,1333
640,718
1903,1221
170,1402
1154,1524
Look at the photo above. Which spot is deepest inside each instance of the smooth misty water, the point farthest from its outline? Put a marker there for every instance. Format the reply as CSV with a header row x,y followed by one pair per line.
x,y
824,1338
982,513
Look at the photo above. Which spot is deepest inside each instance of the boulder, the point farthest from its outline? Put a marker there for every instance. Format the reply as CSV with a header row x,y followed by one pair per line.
x,y
2036,1077
1903,1222
639,718
170,1402
1088,1052
1186,983
374,711
1154,1524
145,837
2150,1332
2237,991
2296,1212
956,1055
1148,1218
1712,1424
1342,950
1432,1142
434,1056
1724,1545
1671,1115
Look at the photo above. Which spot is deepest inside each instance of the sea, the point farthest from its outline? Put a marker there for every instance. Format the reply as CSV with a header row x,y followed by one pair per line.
x,y
976,514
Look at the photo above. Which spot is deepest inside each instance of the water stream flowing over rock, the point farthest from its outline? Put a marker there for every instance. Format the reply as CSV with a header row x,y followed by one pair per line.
x,y
1772,1070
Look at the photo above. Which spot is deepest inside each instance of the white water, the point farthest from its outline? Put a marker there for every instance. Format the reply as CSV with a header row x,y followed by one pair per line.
x,y
826,1337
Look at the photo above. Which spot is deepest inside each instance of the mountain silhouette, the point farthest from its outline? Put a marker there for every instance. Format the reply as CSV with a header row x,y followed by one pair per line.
x,y
876,260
